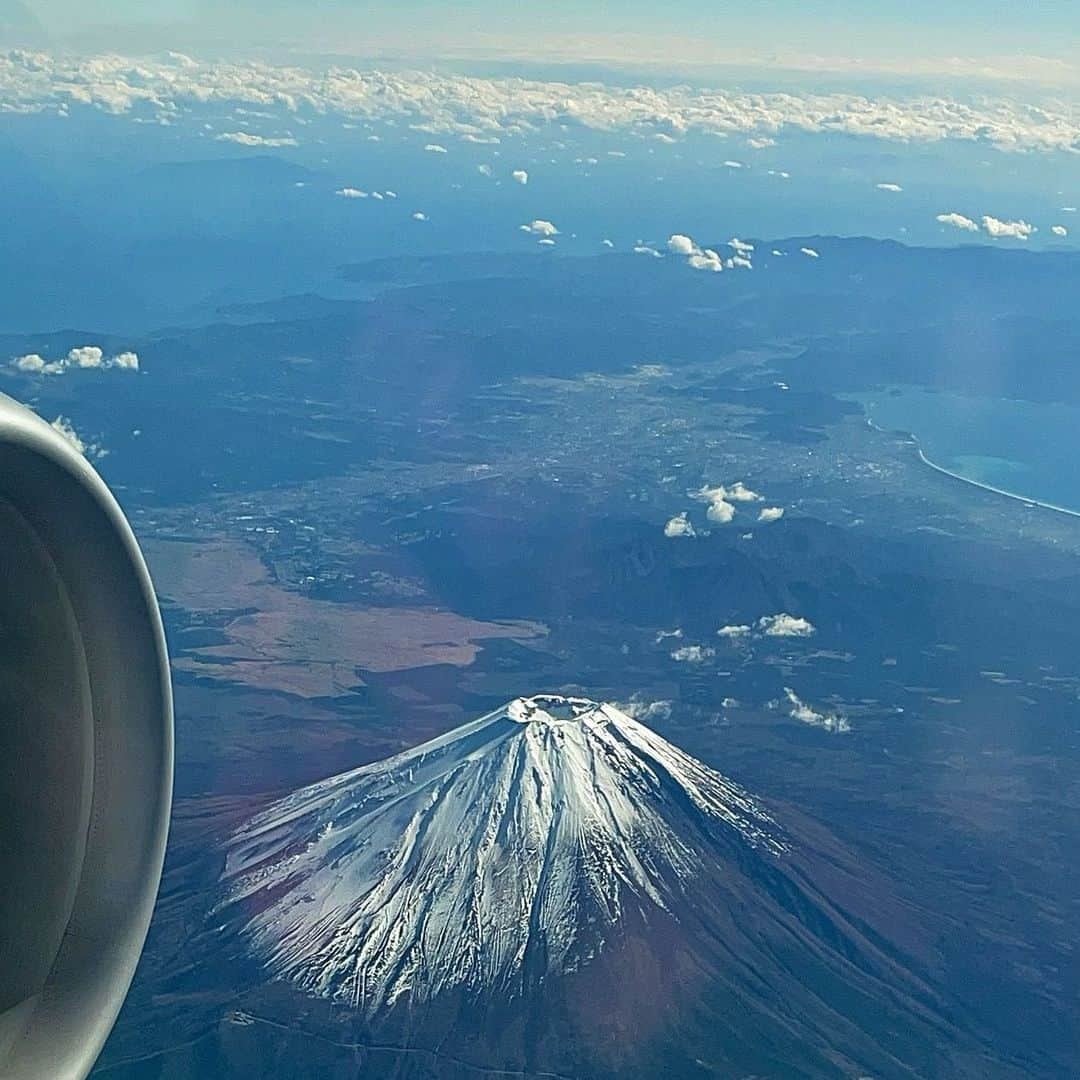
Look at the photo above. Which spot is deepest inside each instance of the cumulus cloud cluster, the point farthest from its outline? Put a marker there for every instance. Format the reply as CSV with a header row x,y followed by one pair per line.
x,y
995,227
84,357
721,503
706,258
799,710
693,654
785,625
782,624
483,110
1015,230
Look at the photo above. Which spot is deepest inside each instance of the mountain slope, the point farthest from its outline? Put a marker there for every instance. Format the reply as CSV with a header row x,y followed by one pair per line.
x,y
500,852
556,888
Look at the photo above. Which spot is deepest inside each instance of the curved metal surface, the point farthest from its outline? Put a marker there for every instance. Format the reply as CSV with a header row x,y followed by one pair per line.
x,y
86,753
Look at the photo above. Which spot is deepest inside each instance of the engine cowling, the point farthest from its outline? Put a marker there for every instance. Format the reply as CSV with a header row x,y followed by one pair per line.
x,y
86,753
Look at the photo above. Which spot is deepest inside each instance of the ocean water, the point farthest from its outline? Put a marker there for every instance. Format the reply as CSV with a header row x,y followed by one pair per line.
x,y
1026,448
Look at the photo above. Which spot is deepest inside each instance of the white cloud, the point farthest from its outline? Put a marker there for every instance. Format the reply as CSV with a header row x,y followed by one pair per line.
x,y
741,246
1068,209
663,635
86,356
679,525
769,514
760,142
802,712
889,187
733,631
785,625
126,361
693,654
645,249
696,257
720,512
648,712
83,357
166,90
721,500
245,138
419,215
738,492
351,193
706,259
1059,230
539,227
733,165
435,148
546,241
608,243
1013,230
521,176
681,245
958,221
484,170
67,429
810,252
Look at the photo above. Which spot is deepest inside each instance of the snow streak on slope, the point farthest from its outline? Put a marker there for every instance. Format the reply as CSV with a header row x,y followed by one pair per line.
x,y
504,851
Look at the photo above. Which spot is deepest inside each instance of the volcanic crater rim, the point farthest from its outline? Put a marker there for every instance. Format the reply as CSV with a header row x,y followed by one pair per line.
x,y
553,710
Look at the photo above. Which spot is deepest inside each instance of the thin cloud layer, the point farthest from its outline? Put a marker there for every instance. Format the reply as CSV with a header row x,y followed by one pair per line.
x,y
799,710
247,138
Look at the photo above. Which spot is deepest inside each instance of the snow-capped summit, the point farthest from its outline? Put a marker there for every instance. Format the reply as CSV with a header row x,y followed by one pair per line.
x,y
517,847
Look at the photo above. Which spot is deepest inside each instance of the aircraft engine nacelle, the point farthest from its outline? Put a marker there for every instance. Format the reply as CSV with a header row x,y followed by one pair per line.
x,y
86,753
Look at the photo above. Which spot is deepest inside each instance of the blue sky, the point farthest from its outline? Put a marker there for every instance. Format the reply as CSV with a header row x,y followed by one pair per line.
x,y
919,33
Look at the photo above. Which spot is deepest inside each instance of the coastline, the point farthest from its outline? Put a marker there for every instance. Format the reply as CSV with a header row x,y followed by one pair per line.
x,y
1025,499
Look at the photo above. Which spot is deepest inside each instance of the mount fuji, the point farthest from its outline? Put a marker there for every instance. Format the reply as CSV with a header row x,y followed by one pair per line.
x,y
553,885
